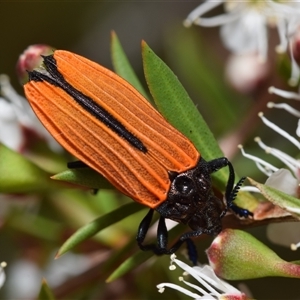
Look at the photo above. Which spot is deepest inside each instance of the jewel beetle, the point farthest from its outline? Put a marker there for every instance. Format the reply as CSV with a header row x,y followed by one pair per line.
x,y
110,127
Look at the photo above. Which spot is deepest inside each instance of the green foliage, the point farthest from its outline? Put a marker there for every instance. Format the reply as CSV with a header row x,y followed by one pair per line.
x,y
45,292
97,225
122,65
19,175
279,198
75,218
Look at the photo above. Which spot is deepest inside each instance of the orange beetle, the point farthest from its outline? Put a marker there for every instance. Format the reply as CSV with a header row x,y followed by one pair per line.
x,y
110,127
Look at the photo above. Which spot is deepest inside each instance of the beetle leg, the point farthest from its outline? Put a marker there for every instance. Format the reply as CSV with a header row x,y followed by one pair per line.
x,y
186,237
142,231
192,251
162,239
162,235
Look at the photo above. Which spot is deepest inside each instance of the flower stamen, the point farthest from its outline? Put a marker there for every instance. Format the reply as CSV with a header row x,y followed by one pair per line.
x,y
263,166
284,94
279,130
294,247
213,287
199,11
289,161
161,288
286,107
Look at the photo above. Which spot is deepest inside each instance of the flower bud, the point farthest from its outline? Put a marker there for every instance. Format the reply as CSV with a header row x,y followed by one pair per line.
x,y
30,59
236,255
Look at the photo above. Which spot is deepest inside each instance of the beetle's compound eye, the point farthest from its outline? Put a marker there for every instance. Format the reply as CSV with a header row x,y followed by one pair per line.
x,y
184,185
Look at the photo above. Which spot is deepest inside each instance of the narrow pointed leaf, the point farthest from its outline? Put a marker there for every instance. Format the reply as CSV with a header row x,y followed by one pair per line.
x,y
97,225
37,226
19,175
122,65
45,292
85,177
285,201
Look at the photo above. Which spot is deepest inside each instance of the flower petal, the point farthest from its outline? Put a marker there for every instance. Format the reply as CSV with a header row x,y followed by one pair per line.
x,y
284,181
246,35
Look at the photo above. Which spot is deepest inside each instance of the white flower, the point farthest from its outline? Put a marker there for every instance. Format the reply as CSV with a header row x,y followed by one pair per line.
x,y
245,25
212,287
16,115
288,179
282,179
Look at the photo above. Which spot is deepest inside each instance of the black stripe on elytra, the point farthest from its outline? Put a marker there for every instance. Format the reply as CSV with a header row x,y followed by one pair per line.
x,y
55,78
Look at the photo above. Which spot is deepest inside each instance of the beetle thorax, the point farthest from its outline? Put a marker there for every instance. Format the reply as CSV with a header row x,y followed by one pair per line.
x,y
191,200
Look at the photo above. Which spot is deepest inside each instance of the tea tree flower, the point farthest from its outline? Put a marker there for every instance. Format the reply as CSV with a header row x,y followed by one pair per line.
x,y
210,286
281,179
244,25
286,179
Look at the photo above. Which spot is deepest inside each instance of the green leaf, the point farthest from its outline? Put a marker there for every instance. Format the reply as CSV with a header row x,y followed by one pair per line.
x,y
85,177
283,200
45,292
122,65
37,225
19,175
97,225
176,106
129,264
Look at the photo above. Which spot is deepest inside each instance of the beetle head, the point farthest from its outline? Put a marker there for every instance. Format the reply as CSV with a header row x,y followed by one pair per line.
x,y
191,200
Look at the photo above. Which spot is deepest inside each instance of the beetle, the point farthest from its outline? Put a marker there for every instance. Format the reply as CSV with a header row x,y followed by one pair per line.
x,y
110,127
